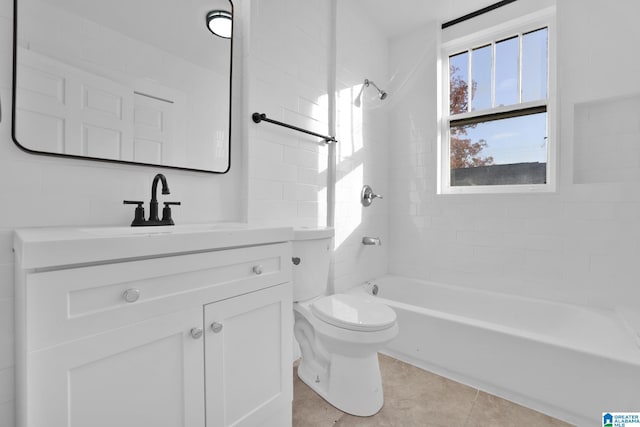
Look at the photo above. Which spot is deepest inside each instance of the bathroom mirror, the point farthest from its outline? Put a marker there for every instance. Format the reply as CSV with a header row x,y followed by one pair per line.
x,y
142,82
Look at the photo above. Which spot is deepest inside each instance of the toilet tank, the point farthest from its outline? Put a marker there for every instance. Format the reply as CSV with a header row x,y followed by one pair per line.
x,y
311,249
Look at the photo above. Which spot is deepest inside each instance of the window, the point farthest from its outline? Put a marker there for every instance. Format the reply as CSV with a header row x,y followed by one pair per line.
x,y
497,112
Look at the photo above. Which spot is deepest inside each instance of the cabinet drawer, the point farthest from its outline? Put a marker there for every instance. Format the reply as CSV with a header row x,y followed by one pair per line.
x,y
69,304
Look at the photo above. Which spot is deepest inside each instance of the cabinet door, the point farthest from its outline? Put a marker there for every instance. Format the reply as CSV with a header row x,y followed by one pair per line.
x,y
248,358
147,374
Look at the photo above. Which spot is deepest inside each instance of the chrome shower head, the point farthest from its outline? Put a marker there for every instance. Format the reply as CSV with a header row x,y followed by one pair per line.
x,y
381,93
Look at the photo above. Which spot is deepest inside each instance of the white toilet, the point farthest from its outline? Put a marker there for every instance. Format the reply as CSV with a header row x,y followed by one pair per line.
x,y
339,335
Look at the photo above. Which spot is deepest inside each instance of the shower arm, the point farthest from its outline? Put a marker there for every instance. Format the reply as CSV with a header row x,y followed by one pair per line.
x,y
381,93
368,82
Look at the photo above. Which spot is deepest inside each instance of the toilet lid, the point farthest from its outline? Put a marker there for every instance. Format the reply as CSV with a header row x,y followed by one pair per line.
x,y
353,312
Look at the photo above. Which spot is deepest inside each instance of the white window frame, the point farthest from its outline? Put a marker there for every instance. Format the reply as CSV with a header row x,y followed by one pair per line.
x,y
517,26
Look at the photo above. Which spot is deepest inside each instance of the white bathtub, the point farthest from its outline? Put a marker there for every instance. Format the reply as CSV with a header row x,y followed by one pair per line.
x,y
567,361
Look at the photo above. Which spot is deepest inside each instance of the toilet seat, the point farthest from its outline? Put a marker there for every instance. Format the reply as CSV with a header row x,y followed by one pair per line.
x,y
353,313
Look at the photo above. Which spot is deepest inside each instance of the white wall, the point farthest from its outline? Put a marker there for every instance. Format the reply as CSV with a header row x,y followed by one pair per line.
x,y
288,66
579,245
287,63
362,52
45,191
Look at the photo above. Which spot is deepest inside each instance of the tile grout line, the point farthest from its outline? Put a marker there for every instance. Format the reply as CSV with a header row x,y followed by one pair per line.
x,y
473,405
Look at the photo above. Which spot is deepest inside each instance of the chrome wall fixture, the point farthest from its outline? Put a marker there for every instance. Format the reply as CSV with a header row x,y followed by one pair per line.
x,y
371,241
367,195
381,93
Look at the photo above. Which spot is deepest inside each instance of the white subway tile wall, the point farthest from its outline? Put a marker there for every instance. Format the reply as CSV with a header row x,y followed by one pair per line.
x,y
288,67
579,245
362,52
287,63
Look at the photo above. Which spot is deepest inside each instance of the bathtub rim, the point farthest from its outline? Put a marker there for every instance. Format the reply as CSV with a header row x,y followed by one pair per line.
x,y
534,336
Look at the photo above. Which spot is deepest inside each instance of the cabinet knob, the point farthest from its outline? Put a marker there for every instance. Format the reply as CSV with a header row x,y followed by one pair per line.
x,y
131,295
216,327
196,333
257,269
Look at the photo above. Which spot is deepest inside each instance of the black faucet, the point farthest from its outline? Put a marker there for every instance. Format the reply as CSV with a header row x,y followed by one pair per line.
x,y
139,221
153,205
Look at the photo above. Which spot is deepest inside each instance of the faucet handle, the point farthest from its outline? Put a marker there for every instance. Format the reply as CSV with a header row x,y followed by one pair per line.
x,y
138,218
367,195
166,212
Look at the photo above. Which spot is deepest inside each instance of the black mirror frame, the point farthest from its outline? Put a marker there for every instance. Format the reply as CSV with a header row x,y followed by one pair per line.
x,y
73,156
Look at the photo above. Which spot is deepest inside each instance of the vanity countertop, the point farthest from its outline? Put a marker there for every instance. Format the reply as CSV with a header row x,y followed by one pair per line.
x,y
57,246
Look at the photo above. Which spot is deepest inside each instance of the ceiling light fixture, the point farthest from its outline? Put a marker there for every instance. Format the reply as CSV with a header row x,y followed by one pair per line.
x,y
219,23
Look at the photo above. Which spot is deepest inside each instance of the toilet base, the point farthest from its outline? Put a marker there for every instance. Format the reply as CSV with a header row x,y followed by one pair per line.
x,y
351,384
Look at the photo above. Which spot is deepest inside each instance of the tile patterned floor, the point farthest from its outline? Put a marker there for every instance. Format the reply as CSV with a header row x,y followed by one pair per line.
x,y
417,398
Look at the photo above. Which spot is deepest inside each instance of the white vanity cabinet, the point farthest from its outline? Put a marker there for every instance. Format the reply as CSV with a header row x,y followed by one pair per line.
x,y
248,366
194,339
149,373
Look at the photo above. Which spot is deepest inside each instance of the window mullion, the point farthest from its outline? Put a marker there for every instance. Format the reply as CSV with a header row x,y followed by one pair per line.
x,y
469,80
498,110
493,74
520,68
498,115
